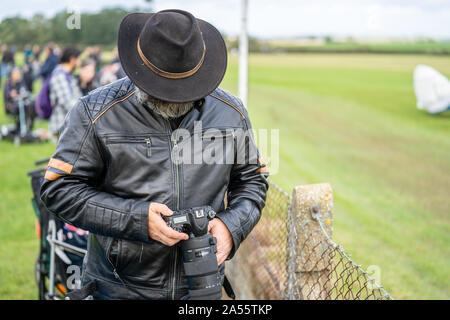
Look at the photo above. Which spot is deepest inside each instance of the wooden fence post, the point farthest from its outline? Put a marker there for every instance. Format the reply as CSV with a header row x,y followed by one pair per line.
x,y
310,204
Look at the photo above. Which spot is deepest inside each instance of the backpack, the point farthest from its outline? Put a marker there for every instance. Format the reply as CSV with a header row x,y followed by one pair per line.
x,y
43,105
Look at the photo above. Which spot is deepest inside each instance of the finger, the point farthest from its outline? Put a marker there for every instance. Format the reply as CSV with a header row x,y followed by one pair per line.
x,y
211,225
220,258
170,233
161,208
162,228
166,240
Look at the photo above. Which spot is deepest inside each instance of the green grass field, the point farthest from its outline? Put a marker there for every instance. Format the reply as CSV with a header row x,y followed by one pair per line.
x,y
419,47
349,120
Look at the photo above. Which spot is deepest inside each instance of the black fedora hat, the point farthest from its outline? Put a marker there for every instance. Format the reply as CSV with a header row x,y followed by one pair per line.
x,y
171,55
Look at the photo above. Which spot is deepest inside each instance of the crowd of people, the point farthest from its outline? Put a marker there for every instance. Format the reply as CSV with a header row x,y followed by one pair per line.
x,y
65,74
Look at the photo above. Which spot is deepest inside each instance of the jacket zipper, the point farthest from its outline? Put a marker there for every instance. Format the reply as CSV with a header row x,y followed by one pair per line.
x,y
112,264
116,274
177,185
127,140
177,176
147,142
149,151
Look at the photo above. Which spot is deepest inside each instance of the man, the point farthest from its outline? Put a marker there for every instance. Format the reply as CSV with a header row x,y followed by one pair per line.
x,y
87,68
50,63
13,91
116,66
64,88
113,171
27,53
8,61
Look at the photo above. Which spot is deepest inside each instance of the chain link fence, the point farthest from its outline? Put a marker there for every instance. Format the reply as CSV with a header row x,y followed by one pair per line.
x,y
290,254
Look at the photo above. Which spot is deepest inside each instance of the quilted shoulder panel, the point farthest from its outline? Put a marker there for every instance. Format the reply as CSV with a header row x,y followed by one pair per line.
x,y
100,98
231,100
225,95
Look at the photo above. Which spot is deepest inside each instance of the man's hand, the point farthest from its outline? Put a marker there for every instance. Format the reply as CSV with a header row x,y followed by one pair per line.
x,y
157,227
224,240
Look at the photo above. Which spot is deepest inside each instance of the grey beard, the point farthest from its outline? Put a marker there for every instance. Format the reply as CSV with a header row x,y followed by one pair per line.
x,y
165,109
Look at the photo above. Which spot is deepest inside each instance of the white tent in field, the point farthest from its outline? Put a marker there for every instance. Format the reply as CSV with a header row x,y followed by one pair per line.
x,y
432,89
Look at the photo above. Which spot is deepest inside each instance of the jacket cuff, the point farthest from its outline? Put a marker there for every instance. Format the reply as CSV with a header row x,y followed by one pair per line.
x,y
142,216
235,230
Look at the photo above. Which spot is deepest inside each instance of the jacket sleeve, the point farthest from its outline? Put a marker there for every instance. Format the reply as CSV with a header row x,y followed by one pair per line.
x,y
70,187
246,191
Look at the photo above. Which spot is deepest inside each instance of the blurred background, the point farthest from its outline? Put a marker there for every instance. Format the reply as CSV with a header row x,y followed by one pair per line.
x,y
336,80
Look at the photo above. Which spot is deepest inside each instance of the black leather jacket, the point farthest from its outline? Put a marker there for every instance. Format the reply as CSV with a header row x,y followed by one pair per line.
x,y
114,158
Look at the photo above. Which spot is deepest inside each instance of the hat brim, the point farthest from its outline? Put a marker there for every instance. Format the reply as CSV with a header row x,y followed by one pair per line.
x,y
192,88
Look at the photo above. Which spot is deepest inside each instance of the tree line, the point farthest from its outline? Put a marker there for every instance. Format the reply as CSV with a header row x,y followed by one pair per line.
x,y
95,28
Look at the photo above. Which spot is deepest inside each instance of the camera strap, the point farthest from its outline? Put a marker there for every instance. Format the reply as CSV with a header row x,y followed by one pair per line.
x,y
228,288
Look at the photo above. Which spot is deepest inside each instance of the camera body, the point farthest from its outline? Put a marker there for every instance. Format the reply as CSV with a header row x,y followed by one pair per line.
x,y
193,221
199,252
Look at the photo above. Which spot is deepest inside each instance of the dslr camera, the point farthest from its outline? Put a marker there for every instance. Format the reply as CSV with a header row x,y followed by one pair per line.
x,y
199,252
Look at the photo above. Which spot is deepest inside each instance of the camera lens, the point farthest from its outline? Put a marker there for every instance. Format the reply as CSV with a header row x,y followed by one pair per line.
x,y
201,268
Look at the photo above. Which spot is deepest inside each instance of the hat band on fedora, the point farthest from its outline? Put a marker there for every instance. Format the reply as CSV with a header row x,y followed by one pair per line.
x,y
170,75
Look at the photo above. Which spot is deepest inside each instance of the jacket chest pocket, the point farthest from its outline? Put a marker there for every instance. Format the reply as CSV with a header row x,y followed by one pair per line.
x,y
137,165
218,147
210,169
141,144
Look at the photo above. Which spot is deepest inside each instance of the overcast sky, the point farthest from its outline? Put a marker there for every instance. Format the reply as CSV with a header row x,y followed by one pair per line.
x,y
287,18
